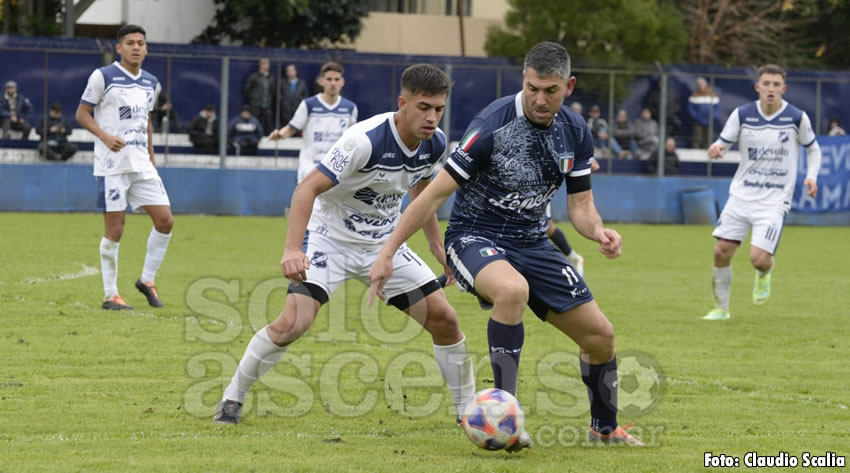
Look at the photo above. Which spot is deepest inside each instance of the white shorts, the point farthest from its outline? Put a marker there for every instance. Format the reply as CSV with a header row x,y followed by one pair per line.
x,y
738,217
331,264
135,188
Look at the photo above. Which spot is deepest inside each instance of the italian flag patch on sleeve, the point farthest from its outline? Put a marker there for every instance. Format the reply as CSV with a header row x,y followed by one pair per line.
x,y
470,138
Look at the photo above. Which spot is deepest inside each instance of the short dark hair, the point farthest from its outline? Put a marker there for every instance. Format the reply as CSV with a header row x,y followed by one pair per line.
x,y
425,78
130,29
56,106
771,69
548,59
331,66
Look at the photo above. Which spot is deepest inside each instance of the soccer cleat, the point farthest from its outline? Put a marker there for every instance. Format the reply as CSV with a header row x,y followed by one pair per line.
x,y
228,412
577,261
524,441
116,302
761,289
717,313
618,436
149,290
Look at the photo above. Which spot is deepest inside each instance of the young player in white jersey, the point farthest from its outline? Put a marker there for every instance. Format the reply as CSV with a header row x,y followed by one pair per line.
x,y
122,96
322,118
342,213
769,133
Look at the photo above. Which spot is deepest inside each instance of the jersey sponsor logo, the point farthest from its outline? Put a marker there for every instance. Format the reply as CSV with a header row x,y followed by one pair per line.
x,y
366,195
338,160
117,79
126,112
766,153
374,221
513,201
318,109
751,119
763,185
375,235
381,177
459,152
326,135
424,157
785,119
768,172
388,156
380,201
349,144
319,259
146,81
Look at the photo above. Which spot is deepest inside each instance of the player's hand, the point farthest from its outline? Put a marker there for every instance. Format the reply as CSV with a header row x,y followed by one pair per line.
x,y
276,135
114,143
811,187
594,166
380,273
716,151
439,252
294,265
610,242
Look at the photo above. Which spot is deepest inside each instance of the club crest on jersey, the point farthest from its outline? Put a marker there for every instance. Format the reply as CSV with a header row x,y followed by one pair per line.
x,y
319,259
783,136
565,162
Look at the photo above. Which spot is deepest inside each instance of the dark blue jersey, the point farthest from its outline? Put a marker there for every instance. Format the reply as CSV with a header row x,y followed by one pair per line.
x,y
509,169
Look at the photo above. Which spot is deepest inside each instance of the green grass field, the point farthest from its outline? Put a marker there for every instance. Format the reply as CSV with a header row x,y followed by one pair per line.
x,y
86,390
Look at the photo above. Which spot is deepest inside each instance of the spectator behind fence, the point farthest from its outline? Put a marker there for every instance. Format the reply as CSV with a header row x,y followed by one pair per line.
x,y
596,123
203,130
671,159
244,133
163,115
15,110
54,131
834,128
653,103
646,134
624,133
259,94
576,106
702,103
292,91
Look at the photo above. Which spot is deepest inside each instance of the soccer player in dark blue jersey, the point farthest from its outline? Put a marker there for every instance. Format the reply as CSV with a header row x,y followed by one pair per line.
x,y
514,157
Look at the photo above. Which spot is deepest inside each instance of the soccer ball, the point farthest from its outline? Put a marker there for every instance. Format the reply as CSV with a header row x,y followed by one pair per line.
x,y
493,419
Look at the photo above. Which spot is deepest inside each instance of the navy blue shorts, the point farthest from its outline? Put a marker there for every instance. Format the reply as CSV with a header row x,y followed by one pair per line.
x,y
553,283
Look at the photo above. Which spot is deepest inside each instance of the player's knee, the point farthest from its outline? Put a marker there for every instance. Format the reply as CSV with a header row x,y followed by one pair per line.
x,y
513,291
723,252
442,322
761,260
600,345
164,225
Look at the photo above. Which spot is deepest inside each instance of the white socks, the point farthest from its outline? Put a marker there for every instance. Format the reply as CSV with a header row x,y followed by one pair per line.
x,y
260,356
109,267
456,367
157,244
722,281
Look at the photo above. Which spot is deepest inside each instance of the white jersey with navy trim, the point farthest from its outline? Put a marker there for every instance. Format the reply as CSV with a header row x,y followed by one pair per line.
x,y
321,124
122,103
770,150
372,171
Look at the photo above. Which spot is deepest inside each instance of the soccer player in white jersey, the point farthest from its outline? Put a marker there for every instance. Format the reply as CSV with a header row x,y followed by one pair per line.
x,y
122,96
340,216
769,133
322,118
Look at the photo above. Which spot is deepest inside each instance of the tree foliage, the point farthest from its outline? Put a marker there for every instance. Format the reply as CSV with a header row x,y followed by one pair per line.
x,y
31,17
289,23
619,33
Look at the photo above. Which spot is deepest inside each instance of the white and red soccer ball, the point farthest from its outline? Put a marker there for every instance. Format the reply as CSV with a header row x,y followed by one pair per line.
x,y
493,419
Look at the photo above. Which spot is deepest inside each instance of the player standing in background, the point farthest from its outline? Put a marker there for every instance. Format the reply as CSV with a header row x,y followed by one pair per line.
x,y
340,216
515,155
323,118
770,131
122,96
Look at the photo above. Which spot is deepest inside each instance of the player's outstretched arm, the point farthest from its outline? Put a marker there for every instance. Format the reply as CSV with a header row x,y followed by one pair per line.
x,y
414,217
586,220
294,263
282,133
433,233
716,150
86,120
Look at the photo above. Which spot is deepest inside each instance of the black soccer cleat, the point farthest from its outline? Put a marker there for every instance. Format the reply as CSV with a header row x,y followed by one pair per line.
x,y
228,412
149,290
115,302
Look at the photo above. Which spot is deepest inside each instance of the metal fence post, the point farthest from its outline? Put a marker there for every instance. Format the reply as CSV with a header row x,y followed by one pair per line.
x,y
222,121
